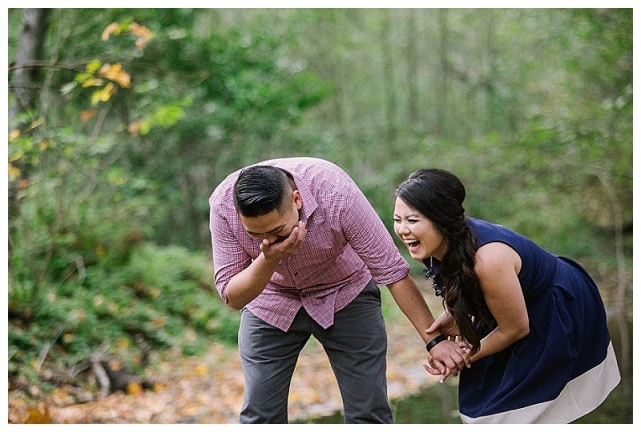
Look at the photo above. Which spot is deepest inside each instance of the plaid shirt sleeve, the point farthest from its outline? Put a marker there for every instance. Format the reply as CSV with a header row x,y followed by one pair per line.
x,y
373,243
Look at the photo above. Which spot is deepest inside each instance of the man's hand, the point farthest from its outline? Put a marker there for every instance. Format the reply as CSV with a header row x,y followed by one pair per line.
x,y
274,252
447,358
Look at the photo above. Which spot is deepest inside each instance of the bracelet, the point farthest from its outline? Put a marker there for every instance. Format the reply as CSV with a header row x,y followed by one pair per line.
x,y
434,342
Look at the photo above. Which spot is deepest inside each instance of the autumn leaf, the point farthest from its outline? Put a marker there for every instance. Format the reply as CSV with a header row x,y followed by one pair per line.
x,y
87,114
139,30
141,127
134,388
115,73
103,94
14,134
111,28
13,172
15,156
92,82
122,343
38,415
143,33
44,144
201,370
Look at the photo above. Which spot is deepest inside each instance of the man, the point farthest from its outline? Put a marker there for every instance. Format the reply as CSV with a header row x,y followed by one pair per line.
x,y
300,251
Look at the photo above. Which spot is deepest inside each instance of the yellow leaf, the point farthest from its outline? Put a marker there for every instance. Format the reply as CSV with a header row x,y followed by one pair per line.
x,y
115,365
103,94
111,28
13,172
134,388
67,338
116,73
38,415
17,155
139,30
14,134
92,82
201,370
37,122
44,144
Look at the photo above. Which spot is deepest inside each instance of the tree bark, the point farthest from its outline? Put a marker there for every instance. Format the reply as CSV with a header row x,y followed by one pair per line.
x,y
441,91
24,83
388,77
412,72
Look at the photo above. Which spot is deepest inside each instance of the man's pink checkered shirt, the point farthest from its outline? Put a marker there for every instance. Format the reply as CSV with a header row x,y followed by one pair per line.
x,y
345,246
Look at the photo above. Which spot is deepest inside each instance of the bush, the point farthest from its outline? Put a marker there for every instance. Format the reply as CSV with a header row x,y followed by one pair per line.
x,y
161,298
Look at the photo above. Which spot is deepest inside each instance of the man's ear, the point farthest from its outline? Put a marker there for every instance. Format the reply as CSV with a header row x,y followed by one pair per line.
x,y
298,200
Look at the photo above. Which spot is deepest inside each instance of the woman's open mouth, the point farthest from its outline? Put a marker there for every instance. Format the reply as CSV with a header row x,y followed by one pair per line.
x,y
412,245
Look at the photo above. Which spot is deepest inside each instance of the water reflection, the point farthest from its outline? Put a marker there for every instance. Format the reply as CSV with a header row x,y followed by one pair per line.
x,y
439,403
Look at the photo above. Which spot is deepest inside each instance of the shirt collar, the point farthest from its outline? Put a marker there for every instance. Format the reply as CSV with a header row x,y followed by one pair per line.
x,y
309,201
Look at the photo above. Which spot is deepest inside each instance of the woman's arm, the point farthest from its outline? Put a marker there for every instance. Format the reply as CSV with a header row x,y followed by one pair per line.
x,y
497,267
449,356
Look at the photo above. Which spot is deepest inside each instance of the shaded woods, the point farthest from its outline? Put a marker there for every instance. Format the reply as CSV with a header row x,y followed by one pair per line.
x,y
122,122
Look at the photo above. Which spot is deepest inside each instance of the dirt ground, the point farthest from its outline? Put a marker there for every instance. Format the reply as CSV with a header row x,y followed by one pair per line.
x,y
209,389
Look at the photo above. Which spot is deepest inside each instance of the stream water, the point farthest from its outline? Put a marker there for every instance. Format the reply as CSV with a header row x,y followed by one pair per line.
x,y
439,403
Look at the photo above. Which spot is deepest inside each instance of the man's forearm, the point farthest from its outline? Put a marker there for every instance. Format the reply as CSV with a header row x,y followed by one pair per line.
x,y
248,284
411,302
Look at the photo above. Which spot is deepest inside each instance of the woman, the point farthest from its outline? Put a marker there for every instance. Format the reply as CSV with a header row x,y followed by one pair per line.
x,y
534,323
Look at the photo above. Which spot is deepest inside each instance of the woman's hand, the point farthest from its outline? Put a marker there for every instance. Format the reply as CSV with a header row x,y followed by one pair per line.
x,y
447,358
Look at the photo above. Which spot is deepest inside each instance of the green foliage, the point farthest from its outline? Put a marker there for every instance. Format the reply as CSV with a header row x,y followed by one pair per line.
x,y
144,111
161,298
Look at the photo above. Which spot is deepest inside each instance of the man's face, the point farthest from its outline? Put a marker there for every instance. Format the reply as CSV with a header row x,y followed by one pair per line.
x,y
275,226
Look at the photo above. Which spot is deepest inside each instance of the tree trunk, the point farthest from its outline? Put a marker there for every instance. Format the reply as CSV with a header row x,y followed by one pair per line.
x,y
388,78
441,91
412,68
24,83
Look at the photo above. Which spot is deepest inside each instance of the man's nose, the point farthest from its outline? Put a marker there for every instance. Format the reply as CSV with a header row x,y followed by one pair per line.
x,y
271,238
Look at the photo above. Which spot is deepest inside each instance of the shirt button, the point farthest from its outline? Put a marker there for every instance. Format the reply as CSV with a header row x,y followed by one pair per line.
x,y
296,274
304,295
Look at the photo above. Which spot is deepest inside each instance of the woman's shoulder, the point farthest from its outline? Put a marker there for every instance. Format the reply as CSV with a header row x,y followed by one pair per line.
x,y
494,256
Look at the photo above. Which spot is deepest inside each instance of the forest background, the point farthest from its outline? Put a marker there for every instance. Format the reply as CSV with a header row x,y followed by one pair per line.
x,y
123,121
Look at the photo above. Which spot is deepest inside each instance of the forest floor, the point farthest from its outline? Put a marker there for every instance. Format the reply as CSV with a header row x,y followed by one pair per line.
x,y
209,388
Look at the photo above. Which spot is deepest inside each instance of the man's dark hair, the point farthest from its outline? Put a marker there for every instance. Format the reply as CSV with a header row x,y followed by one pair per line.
x,y
260,189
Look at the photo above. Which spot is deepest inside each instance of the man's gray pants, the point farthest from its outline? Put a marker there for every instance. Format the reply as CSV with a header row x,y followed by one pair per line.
x,y
356,345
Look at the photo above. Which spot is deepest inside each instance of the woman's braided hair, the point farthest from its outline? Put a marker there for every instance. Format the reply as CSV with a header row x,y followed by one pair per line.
x,y
439,195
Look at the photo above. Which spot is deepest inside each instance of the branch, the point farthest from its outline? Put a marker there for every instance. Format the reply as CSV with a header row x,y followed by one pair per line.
x,y
48,65
44,351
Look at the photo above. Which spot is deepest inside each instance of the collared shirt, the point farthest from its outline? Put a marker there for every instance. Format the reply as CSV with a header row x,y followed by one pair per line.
x,y
345,246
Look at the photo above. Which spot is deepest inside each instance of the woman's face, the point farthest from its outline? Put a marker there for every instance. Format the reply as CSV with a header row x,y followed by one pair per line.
x,y
418,233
